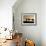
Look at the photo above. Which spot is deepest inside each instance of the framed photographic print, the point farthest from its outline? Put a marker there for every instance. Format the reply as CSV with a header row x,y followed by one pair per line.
x,y
29,19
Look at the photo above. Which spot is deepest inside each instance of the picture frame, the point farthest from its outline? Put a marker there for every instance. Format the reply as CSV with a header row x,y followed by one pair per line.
x,y
29,19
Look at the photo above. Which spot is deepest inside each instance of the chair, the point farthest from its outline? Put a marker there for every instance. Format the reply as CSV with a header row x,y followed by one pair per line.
x,y
18,39
29,43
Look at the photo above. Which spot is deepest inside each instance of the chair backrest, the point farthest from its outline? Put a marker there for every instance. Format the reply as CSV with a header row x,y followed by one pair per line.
x,y
17,34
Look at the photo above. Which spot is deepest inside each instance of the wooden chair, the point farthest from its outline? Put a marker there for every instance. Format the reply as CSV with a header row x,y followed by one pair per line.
x,y
18,37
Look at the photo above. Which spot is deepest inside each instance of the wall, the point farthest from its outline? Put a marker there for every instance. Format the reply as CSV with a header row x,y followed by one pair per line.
x,y
43,22
37,33
6,13
30,32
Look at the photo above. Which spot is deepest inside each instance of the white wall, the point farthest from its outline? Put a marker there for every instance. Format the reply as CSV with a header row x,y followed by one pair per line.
x,y
37,33
43,22
6,13
30,32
